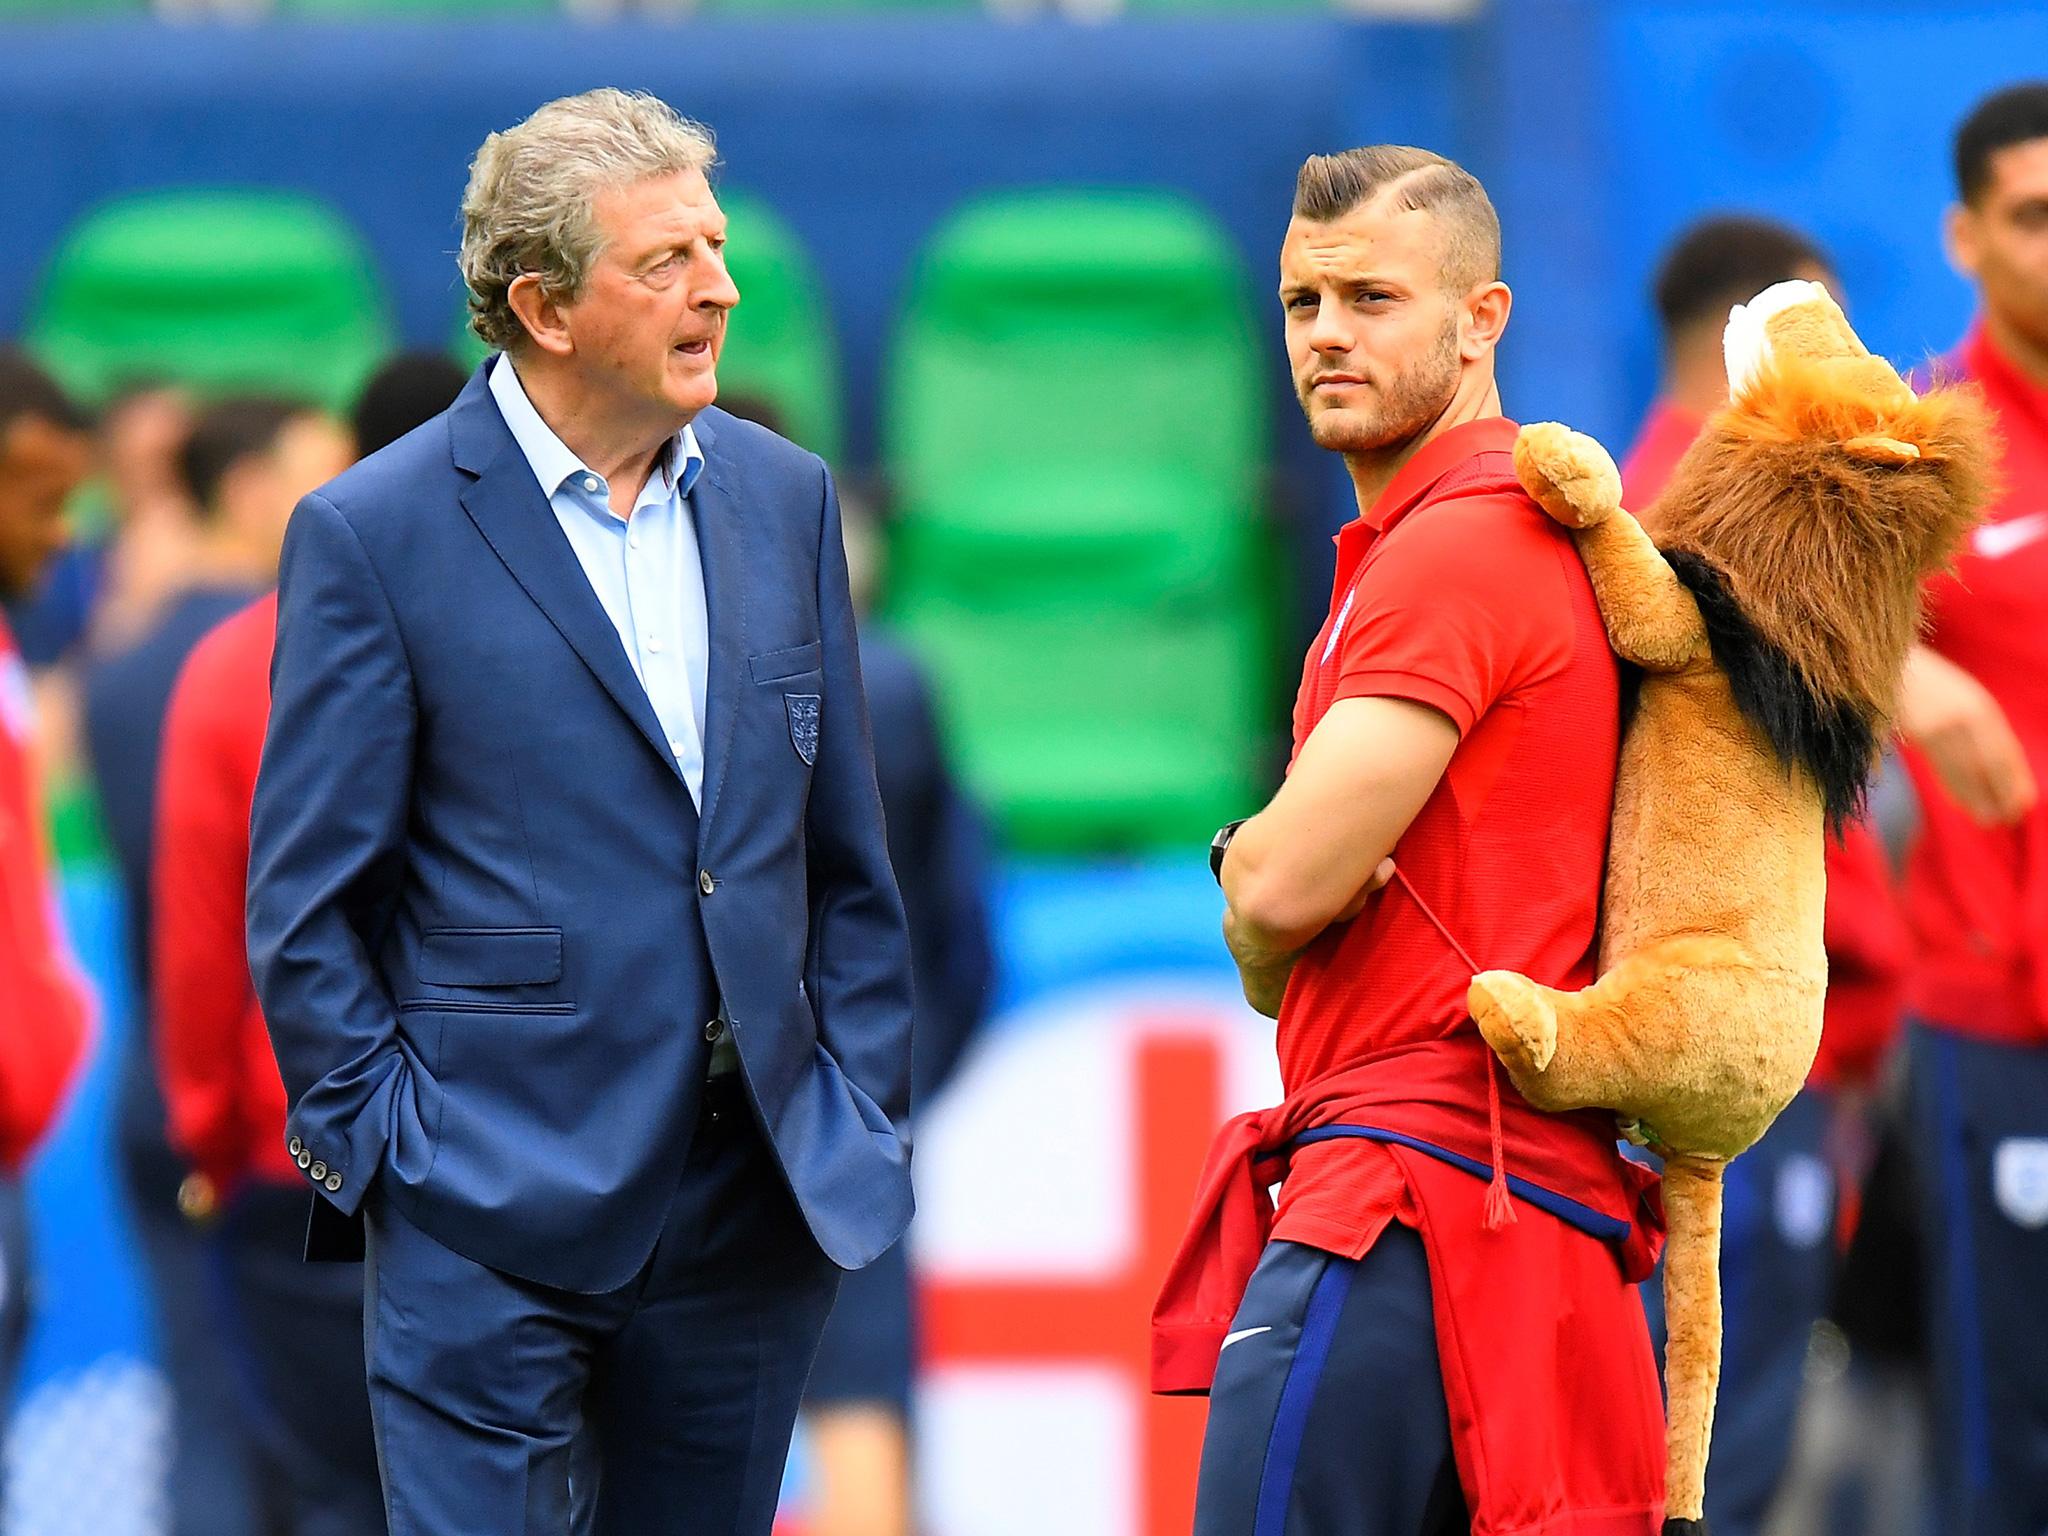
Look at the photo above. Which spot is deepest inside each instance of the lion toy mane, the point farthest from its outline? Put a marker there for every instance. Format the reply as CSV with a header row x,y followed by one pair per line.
x,y
1769,597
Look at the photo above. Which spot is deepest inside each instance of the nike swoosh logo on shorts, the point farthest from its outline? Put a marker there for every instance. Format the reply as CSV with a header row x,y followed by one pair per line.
x,y
1994,541
1244,1333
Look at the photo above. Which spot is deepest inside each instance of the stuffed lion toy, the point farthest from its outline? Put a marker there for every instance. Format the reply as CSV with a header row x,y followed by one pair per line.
x,y
1768,597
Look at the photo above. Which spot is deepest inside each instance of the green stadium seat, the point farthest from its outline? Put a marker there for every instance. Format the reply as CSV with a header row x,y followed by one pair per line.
x,y
219,290
1090,732
1095,342
779,345
1076,439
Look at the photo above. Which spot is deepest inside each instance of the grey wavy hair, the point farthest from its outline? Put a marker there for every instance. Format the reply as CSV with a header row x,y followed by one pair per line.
x,y
528,206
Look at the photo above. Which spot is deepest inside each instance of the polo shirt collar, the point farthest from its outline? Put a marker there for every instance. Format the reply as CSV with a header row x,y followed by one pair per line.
x,y
2011,390
1443,453
553,461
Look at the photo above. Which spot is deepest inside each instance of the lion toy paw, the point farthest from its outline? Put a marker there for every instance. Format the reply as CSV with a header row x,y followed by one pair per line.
x,y
1516,1019
1571,476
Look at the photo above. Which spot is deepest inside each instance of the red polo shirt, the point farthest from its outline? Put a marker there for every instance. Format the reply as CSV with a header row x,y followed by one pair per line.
x,y
1867,942
44,1019
224,1100
1977,897
1456,591
1660,443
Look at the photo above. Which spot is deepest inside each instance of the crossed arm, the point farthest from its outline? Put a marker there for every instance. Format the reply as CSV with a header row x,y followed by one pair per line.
x,y
1318,852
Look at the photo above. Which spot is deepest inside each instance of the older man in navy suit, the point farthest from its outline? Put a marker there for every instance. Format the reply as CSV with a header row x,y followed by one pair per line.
x,y
569,905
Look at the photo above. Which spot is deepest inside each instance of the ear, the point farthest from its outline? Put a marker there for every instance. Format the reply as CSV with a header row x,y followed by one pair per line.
x,y
541,313
1873,449
1959,239
1485,318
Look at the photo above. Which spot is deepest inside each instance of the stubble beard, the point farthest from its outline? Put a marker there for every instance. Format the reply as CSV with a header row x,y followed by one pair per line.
x,y
1415,398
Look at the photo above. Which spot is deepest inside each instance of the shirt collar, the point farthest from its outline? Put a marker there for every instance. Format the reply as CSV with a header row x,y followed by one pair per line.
x,y
1443,453
2010,389
553,461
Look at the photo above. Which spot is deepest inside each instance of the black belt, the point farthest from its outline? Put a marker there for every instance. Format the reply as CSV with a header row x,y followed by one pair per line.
x,y
725,1096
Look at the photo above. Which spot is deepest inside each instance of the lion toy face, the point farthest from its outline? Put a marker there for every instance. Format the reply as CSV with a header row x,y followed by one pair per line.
x,y
1822,495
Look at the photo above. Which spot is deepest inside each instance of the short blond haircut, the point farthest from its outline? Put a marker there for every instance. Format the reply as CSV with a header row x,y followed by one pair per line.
x,y
529,203
1330,186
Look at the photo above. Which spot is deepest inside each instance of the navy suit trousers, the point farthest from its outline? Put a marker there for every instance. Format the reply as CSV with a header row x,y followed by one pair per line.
x,y
684,1382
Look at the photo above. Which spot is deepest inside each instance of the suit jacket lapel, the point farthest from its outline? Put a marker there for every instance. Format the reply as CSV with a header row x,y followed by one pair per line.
x,y
721,540
506,504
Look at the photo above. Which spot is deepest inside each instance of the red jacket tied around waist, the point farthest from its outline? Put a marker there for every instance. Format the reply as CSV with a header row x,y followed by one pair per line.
x,y
1420,1094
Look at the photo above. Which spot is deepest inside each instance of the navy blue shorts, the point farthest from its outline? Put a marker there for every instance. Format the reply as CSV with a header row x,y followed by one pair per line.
x,y
1980,1114
1327,1414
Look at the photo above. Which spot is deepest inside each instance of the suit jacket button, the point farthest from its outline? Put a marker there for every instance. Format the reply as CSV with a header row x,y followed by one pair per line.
x,y
705,883
318,1172
302,1157
297,1146
334,1183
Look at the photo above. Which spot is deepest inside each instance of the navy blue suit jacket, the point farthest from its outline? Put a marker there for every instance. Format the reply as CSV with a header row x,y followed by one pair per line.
x,y
488,926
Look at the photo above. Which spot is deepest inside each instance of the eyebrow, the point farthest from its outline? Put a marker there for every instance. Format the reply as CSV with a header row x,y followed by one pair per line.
x,y
663,247
1346,280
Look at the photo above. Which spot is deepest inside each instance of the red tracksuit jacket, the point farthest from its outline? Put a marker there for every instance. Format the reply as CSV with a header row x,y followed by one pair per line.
x,y
44,1018
225,1102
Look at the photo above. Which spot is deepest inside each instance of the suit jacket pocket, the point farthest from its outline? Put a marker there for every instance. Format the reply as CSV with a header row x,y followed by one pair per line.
x,y
490,957
774,666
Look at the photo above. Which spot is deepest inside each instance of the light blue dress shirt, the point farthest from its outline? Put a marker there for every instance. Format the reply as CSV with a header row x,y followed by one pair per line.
x,y
646,568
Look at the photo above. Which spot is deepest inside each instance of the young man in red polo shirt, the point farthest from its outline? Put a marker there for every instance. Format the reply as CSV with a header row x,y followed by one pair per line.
x,y
1976,714
1441,1332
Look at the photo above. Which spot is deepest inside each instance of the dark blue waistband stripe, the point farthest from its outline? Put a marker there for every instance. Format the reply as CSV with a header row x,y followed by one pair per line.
x,y
1594,1223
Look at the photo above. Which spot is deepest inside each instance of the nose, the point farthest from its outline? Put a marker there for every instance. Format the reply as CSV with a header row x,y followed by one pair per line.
x,y
719,291
1330,333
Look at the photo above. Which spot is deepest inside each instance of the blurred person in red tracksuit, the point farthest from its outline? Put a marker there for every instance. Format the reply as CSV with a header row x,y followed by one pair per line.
x,y
302,1323
1976,718
190,563
45,451
1778,1253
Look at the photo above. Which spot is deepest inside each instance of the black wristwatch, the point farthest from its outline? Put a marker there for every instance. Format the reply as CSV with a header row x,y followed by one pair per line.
x,y
1220,845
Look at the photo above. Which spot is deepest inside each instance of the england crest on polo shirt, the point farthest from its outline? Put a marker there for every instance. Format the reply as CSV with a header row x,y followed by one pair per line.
x,y
2019,1179
803,724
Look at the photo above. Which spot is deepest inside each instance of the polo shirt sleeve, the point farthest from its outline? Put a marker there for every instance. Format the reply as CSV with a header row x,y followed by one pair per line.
x,y
1464,602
